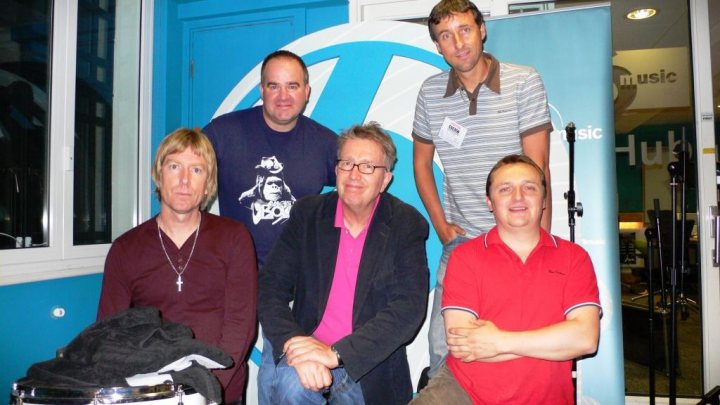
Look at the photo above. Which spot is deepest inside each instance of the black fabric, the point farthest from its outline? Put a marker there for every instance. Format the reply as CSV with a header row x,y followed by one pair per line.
x,y
390,295
424,379
131,342
201,380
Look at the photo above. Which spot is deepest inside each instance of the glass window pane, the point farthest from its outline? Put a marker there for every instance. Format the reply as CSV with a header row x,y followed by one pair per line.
x,y
24,45
654,111
106,106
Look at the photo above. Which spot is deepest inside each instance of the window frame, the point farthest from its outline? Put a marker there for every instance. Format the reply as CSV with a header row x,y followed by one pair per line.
x,y
61,258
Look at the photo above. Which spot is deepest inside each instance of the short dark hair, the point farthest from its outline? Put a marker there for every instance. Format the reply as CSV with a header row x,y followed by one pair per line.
x,y
446,8
372,132
282,53
511,160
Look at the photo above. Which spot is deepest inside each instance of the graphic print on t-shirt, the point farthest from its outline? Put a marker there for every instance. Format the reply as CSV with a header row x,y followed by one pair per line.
x,y
270,199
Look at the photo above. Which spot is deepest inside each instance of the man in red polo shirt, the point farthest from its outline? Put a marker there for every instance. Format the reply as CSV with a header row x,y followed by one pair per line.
x,y
519,304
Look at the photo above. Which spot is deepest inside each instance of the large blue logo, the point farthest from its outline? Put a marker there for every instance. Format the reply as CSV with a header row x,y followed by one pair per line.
x,y
360,75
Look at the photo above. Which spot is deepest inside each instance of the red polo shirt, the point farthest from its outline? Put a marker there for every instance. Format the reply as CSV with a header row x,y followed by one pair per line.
x,y
486,278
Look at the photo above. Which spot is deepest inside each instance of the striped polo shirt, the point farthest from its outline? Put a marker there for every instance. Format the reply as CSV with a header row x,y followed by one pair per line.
x,y
510,103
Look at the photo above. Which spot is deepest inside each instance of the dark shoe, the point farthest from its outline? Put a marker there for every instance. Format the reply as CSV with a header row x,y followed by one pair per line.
x,y
423,381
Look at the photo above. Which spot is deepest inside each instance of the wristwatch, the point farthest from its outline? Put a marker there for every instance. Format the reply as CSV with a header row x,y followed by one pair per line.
x,y
337,354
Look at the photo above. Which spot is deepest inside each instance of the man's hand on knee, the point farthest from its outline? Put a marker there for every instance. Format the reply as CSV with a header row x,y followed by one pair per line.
x,y
313,375
307,348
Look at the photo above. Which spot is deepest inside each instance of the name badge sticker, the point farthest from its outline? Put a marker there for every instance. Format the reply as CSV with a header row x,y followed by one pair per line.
x,y
452,132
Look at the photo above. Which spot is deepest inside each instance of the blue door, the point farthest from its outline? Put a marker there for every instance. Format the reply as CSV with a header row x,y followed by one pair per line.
x,y
202,49
221,51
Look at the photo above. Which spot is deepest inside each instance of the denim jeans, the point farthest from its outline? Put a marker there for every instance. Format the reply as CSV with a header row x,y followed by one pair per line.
x,y
436,333
265,373
281,385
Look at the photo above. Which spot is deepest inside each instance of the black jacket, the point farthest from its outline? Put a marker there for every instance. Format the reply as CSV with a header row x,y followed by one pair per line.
x,y
390,297
131,342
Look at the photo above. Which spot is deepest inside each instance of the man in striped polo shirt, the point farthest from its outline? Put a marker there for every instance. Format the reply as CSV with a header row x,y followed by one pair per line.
x,y
474,114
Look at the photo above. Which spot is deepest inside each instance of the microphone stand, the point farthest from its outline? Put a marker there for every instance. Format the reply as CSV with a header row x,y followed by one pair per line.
x,y
573,208
663,302
678,174
682,155
672,394
650,235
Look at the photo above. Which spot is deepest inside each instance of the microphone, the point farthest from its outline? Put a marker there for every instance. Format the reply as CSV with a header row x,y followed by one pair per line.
x,y
570,132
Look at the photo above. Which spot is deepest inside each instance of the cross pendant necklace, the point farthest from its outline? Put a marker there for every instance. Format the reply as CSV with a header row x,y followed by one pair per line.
x,y
182,269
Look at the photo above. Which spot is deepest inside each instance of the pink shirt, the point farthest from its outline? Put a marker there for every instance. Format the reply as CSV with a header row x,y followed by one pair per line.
x,y
336,322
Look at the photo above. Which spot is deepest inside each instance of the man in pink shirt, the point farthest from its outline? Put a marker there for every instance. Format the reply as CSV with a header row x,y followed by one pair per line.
x,y
353,264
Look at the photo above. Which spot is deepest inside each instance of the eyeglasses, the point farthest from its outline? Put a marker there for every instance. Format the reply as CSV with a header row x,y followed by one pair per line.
x,y
364,168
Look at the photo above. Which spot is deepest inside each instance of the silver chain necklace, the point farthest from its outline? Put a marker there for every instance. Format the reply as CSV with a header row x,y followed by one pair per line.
x,y
180,272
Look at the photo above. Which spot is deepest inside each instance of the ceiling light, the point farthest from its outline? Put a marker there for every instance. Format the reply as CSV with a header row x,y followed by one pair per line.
x,y
641,13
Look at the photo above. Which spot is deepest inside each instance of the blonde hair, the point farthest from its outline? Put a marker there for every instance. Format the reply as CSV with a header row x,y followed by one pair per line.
x,y
176,142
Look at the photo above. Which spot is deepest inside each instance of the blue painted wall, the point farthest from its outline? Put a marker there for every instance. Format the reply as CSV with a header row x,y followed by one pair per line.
x,y
29,331
172,19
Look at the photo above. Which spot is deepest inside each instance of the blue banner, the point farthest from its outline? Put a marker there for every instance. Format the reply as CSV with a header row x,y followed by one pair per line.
x,y
572,51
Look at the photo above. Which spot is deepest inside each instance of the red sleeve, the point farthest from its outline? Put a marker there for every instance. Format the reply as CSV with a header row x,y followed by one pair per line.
x,y
460,286
581,288
115,295
240,319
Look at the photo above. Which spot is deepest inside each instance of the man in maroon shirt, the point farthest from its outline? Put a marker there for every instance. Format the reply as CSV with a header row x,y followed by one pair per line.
x,y
197,268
